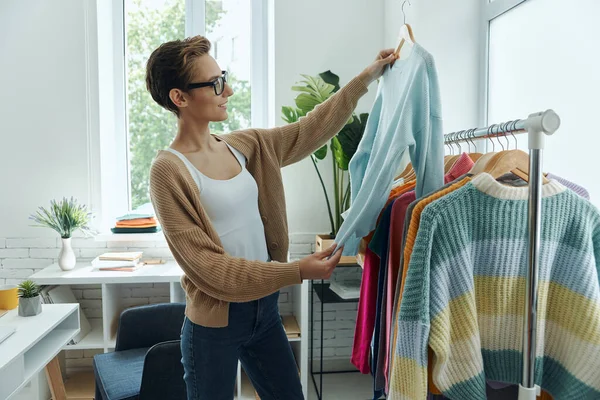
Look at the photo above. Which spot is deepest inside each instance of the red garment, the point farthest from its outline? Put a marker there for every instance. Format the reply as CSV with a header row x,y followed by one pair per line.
x,y
396,236
365,319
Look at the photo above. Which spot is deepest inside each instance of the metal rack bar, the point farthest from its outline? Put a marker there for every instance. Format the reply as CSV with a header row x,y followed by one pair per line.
x,y
536,125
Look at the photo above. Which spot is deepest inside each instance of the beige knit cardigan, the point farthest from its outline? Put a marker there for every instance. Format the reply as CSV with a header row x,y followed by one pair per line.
x,y
212,277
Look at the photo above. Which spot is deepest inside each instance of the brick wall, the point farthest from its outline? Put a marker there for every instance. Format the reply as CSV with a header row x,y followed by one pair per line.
x,y
22,257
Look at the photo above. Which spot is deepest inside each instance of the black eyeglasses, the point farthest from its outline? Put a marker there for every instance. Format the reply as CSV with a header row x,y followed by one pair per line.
x,y
218,84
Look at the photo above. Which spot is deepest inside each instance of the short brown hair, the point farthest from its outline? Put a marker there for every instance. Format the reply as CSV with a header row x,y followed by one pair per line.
x,y
170,67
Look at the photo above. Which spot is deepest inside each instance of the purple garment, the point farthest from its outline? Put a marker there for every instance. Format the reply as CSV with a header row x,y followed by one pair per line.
x,y
570,185
498,385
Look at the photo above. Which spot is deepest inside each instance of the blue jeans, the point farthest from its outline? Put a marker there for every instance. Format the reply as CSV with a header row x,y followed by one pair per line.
x,y
256,337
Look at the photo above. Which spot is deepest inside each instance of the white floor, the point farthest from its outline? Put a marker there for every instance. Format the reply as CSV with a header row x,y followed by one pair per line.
x,y
352,386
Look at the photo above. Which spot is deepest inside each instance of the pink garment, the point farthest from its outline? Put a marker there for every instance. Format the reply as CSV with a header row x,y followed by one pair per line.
x,y
460,167
365,319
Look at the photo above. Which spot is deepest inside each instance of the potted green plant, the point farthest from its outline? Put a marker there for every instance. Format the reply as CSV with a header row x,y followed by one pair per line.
x,y
30,301
313,91
65,217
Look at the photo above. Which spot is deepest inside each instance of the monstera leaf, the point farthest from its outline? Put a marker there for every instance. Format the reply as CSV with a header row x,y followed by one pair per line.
x,y
351,134
321,153
314,91
290,115
341,159
332,79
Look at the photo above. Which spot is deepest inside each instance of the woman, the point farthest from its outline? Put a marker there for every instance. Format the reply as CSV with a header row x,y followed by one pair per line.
x,y
221,205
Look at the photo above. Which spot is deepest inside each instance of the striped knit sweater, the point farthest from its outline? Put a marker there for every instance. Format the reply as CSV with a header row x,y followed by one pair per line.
x,y
213,278
465,289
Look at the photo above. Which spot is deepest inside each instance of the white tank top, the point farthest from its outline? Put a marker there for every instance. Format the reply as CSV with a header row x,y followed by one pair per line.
x,y
232,206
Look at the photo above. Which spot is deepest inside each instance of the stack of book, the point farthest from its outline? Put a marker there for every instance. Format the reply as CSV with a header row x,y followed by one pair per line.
x,y
126,261
136,223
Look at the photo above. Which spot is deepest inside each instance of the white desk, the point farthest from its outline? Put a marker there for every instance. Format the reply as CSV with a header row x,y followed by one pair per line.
x,y
85,274
112,282
35,343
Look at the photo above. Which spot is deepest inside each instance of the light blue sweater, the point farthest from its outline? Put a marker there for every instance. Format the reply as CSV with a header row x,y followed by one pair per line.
x,y
406,115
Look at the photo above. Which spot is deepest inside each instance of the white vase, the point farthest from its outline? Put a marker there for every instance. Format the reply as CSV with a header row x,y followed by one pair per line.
x,y
66,258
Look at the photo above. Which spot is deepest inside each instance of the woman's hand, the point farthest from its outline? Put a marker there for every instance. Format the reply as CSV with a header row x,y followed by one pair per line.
x,y
375,70
317,266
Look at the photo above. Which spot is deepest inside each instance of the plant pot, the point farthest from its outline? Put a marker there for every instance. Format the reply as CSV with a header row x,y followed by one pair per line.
x,y
323,242
30,306
66,258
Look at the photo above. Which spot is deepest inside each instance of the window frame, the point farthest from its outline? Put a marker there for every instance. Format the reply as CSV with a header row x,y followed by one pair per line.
x,y
490,10
115,177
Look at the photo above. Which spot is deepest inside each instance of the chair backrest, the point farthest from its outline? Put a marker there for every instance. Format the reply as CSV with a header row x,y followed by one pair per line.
x,y
146,326
163,373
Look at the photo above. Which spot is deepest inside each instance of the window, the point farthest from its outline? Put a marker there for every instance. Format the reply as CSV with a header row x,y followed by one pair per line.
x,y
147,24
543,54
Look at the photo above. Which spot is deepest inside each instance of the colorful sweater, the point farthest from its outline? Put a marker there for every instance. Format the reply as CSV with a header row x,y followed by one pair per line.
x,y
465,290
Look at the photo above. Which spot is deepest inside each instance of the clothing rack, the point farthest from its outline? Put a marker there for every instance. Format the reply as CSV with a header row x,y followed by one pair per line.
x,y
536,125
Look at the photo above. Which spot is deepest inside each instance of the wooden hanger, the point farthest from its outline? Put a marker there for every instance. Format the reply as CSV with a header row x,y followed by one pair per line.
x,y
480,164
404,39
450,163
405,172
515,161
475,156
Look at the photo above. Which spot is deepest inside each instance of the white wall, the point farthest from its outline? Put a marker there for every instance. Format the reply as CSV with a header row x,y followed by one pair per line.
x,y
43,109
313,36
451,32
551,69
44,117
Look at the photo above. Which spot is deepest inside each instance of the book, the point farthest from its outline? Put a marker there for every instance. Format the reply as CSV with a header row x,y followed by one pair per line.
x,y
98,263
349,289
122,269
292,330
123,256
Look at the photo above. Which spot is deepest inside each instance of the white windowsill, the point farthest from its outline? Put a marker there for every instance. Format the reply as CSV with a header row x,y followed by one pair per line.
x,y
130,237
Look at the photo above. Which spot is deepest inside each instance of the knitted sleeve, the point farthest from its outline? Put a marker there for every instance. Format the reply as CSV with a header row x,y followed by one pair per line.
x,y
408,377
297,141
204,261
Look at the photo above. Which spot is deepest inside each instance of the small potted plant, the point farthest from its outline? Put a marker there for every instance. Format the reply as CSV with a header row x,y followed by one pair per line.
x,y
30,301
65,217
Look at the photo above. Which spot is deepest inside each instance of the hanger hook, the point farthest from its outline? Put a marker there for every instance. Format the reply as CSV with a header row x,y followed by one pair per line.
x,y
471,136
403,13
489,136
466,139
504,129
498,137
459,133
454,141
514,126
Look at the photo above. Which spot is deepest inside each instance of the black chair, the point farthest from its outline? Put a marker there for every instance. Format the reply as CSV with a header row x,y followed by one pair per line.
x,y
146,363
